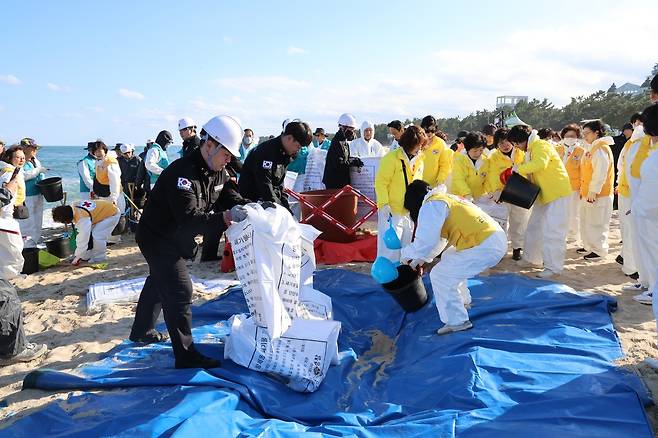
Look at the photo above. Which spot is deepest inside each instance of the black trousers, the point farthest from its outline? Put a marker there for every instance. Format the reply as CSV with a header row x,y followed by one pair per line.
x,y
168,287
211,240
12,336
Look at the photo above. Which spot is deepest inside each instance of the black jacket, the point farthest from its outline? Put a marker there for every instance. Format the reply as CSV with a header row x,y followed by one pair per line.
x,y
187,199
190,145
337,167
142,178
263,172
129,167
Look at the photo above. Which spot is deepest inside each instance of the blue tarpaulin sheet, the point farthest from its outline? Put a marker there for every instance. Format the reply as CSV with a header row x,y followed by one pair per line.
x,y
538,363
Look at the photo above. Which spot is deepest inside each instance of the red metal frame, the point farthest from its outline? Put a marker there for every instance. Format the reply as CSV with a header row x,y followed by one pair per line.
x,y
319,210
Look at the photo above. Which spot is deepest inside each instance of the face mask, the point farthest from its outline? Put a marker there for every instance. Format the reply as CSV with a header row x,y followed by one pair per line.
x,y
349,135
570,141
247,141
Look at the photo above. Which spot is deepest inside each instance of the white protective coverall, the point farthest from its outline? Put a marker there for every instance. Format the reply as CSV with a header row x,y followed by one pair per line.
x,y
88,180
449,276
99,233
645,210
32,226
595,216
637,240
362,148
151,162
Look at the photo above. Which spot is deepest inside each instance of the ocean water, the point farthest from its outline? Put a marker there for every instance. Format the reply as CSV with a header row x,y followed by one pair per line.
x,y
62,161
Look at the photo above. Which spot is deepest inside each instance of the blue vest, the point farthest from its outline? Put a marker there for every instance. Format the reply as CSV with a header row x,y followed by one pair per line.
x,y
31,185
90,162
324,145
298,165
162,162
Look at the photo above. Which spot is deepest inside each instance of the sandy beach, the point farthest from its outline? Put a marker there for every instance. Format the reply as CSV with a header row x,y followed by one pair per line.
x,y
55,313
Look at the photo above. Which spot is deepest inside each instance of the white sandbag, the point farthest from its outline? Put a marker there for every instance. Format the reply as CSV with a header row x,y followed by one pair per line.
x,y
314,169
289,180
301,355
308,233
313,304
267,252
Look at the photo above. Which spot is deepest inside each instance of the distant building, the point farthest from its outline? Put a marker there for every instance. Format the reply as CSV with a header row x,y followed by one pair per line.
x,y
509,102
631,89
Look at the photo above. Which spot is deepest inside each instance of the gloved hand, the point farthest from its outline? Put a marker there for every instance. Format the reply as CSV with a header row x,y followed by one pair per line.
x,y
505,175
356,162
267,204
385,211
495,196
415,263
591,197
92,195
76,261
238,213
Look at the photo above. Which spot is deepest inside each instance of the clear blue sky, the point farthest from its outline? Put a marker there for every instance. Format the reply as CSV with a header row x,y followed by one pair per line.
x,y
72,71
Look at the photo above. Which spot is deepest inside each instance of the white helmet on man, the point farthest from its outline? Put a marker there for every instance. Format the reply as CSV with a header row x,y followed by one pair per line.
x,y
347,119
186,122
226,131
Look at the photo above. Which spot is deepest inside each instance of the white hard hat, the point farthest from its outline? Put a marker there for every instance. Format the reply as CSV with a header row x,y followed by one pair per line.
x,y
125,147
226,131
185,122
347,119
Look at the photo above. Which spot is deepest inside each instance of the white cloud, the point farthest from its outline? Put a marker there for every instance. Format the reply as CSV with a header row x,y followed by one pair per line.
x,y
10,80
96,109
251,84
130,94
58,88
296,51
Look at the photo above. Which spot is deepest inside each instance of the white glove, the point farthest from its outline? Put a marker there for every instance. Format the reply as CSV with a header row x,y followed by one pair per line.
x,y
76,261
413,263
591,197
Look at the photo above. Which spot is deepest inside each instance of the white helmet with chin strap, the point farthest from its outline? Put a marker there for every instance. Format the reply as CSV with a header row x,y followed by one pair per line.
x,y
226,131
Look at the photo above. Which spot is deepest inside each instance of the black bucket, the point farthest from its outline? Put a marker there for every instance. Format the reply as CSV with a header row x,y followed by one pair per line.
x,y
59,246
31,263
51,189
519,191
408,289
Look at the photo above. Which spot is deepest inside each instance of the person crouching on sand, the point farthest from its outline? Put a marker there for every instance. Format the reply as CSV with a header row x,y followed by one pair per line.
x,y
94,221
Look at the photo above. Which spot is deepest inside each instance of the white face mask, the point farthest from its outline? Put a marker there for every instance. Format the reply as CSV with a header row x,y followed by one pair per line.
x,y
570,141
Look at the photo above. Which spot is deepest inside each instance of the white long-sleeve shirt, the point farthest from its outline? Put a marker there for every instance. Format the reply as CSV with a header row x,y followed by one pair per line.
x,y
33,173
428,242
362,148
151,161
114,176
83,171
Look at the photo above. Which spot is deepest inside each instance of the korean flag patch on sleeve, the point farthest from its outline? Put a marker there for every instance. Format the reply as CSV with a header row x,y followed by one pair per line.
x,y
184,184
267,164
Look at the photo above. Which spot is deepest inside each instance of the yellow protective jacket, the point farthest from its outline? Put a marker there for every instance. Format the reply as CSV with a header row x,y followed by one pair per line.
x,y
494,166
466,225
465,179
390,184
437,162
545,168
622,181
96,210
587,170
640,156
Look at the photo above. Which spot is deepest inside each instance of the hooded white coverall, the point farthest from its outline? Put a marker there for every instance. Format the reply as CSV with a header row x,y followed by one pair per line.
x,y
637,239
362,148
99,233
449,276
645,209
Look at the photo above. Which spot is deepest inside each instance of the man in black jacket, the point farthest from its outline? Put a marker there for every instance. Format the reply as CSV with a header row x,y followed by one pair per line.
x,y
265,167
337,167
187,131
184,203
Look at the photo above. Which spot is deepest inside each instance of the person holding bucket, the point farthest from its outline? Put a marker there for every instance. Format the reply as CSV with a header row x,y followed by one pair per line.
x,y
397,170
546,234
572,153
94,221
504,156
33,173
476,240
596,191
